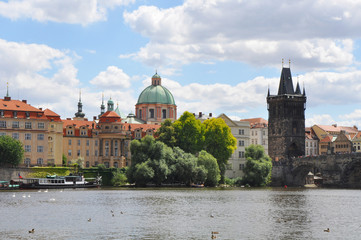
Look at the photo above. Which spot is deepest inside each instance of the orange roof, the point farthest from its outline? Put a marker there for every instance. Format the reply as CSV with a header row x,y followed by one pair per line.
x,y
256,122
77,123
327,139
110,114
16,105
335,128
50,113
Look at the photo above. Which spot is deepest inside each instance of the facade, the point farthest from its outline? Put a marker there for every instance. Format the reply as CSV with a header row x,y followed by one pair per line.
x,y
311,142
286,119
156,103
336,139
55,138
236,163
258,132
31,126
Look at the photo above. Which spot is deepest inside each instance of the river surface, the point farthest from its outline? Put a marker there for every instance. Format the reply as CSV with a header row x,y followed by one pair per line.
x,y
272,213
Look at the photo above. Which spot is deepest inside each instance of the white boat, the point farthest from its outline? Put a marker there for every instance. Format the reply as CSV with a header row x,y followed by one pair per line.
x,y
53,182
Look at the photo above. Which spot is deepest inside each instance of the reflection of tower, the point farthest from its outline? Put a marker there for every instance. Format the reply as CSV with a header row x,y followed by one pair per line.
x,y
286,119
80,113
102,107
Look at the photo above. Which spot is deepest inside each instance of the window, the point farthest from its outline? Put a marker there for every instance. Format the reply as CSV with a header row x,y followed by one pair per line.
x,y
115,164
41,125
106,148
164,113
69,152
16,135
240,143
263,142
78,153
241,166
3,124
27,148
40,136
87,153
78,142
27,114
83,132
255,133
241,154
96,153
241,131
87,164
27,125
15,113
27,136
40,149
106,164
69,142
87,142
40,161
263,132
70,132
96,142
140,113
116,148
1,113
151,113
2,134
15,124
27,162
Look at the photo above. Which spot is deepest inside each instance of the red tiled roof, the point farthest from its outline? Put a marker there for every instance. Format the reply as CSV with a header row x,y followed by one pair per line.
x,y
50,113
335,128
77,123
256,122
327,139
110,114
16,105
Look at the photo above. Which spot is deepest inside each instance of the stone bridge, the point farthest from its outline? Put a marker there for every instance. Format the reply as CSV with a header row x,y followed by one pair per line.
x,y
336,170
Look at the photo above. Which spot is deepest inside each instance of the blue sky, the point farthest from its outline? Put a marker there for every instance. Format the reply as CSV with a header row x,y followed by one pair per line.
x,y
215,56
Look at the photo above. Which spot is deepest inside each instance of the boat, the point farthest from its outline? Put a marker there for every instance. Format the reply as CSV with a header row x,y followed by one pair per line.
x,y
59,182
6,185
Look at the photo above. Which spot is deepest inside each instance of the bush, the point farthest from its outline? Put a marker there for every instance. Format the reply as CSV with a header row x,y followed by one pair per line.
x,y
119,178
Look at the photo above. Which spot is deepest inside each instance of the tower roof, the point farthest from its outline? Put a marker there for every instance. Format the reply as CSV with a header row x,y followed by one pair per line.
x,y
286,83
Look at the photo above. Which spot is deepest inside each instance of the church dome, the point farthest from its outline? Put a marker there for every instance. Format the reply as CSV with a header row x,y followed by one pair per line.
x,y
156,93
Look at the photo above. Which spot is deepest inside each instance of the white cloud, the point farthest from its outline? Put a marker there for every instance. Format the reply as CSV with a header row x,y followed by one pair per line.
x,y
112,78
74,12
255,32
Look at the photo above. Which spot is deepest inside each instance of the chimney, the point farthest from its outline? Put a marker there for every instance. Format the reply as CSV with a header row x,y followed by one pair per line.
x,y
200,114
24,101
41,109
334,125
94,118
68,118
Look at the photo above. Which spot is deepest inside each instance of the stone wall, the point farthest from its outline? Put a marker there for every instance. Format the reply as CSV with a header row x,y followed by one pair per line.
x,y
7,174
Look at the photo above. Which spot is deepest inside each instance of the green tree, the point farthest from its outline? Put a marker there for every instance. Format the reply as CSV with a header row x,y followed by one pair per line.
x,y
211,166
11,151
258,167
189,133
166,133
182,166
64,160
219,142
119,178
143,173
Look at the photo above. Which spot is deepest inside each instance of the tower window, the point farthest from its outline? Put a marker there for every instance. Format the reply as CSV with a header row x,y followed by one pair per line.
x,y
164,113
151,113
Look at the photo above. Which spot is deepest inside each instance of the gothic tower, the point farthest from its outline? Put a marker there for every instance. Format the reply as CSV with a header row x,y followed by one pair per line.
x,y
80,113
286,119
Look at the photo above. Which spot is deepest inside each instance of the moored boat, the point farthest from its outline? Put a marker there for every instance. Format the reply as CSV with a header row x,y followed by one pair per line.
x,y
53,182
6,185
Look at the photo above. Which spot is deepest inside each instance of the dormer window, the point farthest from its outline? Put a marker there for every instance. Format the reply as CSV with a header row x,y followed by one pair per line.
x,y
15,113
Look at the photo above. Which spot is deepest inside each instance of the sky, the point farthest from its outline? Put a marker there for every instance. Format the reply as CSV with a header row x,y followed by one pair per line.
x,y
215,56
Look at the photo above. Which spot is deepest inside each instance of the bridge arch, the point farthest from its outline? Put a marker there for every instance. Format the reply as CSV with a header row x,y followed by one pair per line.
x,y
300,173
351,174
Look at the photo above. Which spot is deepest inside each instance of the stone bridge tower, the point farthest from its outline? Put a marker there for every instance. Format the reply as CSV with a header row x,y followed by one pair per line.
x,y
286,119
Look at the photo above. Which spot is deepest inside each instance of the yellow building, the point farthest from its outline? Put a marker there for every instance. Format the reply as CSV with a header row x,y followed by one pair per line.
x,y
30,126
55,138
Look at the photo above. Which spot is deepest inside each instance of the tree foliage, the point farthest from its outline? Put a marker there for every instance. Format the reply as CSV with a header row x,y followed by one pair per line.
x,y
166,133
11,151
189,133
258,167
156,163
219,141
210,164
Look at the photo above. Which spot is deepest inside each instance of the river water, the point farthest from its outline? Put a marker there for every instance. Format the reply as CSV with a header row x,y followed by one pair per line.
x,y
272,213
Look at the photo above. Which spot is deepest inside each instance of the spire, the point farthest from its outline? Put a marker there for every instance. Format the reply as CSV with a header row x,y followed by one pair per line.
x,y
102,107
80,113
304,91
156,79
298,89
268,93
286,84
7,89
110,105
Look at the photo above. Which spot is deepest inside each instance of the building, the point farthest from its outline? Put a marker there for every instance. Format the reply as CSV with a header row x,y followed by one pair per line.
x,y
258,132
55,138
33,127
311,142
240,130
335,139
156,103
286,119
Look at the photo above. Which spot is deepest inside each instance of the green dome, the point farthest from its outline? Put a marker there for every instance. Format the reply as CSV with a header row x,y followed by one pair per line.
x,y
156,75
156,94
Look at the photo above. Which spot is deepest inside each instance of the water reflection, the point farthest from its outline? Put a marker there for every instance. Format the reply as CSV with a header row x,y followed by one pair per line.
x,y
181,214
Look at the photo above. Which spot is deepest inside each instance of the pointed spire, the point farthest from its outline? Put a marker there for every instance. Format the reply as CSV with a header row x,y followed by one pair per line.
x,y
80,113
102,107
7,89
79,95
286,84
304,91
298,90
268,93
